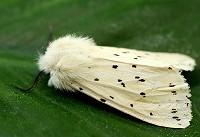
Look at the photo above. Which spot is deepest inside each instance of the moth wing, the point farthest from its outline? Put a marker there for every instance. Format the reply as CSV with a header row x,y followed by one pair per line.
x,y
153,94
157,59
145,85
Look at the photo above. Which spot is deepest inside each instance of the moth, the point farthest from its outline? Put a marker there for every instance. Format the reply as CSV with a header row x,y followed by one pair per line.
x,y
146,85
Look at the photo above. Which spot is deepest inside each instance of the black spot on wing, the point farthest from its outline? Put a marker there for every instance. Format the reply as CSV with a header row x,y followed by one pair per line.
x,y
170,85
151,114
142,80
123,84
119,80
170,68
137,77
174,117
115,66
116,54
103,100
111,97
174,92
174,111
177,118
80,88
131,105
125,52
142,93
96,79
133,66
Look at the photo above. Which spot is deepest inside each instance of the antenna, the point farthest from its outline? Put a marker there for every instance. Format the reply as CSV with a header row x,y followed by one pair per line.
x,y
36,81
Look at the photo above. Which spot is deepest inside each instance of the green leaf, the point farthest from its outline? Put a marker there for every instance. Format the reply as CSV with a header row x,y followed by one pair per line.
x,y
165,25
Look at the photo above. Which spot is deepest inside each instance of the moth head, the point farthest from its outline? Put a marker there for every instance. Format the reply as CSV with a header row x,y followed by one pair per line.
x,y
60,49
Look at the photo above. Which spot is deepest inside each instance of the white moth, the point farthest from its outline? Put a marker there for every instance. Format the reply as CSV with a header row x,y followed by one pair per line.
x,y
146,85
